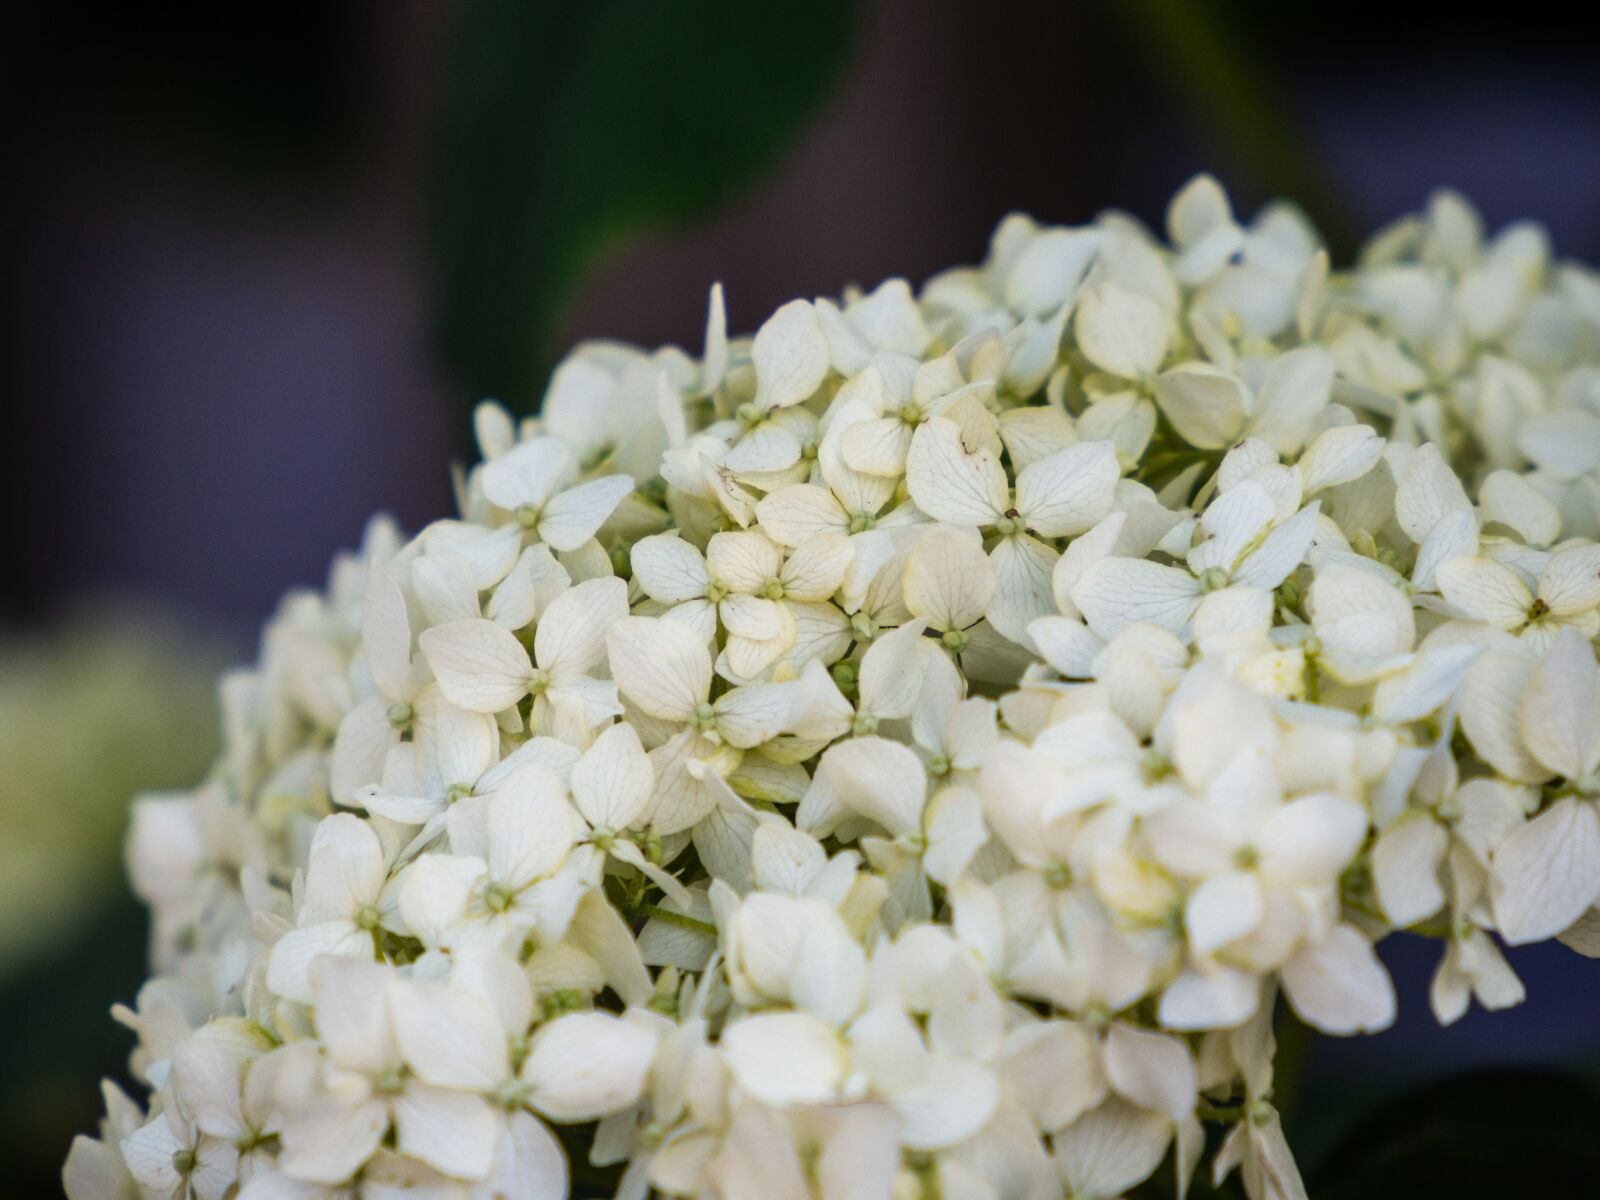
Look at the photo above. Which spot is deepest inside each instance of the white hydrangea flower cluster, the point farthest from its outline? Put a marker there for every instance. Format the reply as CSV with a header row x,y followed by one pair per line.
x,y
912,751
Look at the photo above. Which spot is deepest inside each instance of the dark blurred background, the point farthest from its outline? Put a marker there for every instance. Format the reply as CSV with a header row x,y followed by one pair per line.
x,y
256,263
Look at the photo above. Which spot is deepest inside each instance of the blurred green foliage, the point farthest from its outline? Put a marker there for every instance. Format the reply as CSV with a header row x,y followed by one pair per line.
x,y
567,129
108,703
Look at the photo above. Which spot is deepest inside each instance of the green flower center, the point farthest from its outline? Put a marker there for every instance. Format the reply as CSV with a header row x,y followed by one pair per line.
x,y
389,1081
497,897
561,1000
1009,524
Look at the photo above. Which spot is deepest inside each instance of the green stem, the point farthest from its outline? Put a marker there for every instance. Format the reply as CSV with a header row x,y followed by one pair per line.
x,y
678,919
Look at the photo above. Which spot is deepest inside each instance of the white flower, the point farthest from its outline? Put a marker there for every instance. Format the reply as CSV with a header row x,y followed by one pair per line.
x,y
366,1087
483,668
991,698
1568,593
531,483
347,901
1247,543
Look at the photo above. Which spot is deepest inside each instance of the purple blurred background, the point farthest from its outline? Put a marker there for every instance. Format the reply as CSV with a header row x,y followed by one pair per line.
x,y
217,336
217,345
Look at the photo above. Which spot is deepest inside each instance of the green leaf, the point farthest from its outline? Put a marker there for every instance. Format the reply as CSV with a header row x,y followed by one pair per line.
x,y
569,129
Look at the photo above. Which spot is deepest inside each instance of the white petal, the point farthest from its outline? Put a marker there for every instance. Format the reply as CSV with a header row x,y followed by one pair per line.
x,y
612,782
1340,455
1222,908
584,1065
346,869
1292,396
881,780
1153,1070
767,447
1491,707
1108,1151
948,1104
451,1131
791,356
1117,592
952,482
1428,491
1433,677
1205,405
877,446
1311,840
1484,590
661,666
830,975
571,518
816,568
529,824
1359,615
459,745
1338,985
668,568
1070,491
949,580
1560,718
892,671
1120,331
1220,999
1022,571
363,741
526,475
792,514
446,588
743,561
1454,536
1565,442
785,1058
1405,868
571,637
529,1163
488,553
1510,500
1570,581
1052,1069
450,1038
480,666
1547,872
1283,550
386,632
434,892
328,1144
748,716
